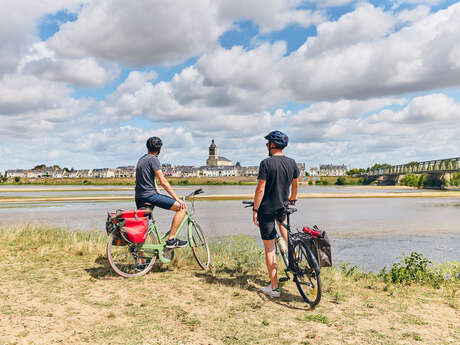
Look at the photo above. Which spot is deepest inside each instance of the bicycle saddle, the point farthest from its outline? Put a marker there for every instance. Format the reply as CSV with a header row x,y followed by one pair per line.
x,y
148,207
289,209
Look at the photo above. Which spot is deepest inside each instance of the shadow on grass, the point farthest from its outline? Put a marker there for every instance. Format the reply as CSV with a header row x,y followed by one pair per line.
x,y
247,281
104,270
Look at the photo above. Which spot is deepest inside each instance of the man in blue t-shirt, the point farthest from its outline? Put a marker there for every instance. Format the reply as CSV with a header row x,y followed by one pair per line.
x,y
277,174
148,167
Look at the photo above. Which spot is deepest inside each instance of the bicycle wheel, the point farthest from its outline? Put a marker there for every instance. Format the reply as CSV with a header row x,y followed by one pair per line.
x,y
130,260
306,278
199,246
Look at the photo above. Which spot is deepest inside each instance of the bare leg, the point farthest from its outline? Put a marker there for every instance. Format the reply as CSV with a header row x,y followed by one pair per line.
x,y
283,231
270,260
177,219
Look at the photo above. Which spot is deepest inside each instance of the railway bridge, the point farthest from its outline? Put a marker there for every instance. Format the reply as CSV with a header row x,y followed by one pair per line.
x,y
441,168
448,165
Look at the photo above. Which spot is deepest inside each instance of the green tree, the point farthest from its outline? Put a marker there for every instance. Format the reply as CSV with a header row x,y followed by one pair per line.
x,y
340,181
355,171
17,179
238,164
380,166
410,180
455,179
40,167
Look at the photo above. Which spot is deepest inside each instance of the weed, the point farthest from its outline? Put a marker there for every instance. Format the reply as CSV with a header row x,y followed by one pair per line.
x,y
315,318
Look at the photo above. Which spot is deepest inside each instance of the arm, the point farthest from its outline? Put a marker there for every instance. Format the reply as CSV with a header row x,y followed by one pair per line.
x,y
294,189
258,196
156,186
167,187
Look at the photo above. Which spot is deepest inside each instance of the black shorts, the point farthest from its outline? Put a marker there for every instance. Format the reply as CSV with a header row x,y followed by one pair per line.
x,y
267,225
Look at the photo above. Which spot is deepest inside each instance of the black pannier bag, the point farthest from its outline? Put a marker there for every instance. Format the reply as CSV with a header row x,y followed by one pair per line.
x,y
116,222
323,250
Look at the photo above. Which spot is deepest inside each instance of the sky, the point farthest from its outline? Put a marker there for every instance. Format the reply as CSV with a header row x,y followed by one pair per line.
x,y
83,84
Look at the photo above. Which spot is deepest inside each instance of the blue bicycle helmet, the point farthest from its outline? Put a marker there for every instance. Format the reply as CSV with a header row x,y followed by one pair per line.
x,y
278,138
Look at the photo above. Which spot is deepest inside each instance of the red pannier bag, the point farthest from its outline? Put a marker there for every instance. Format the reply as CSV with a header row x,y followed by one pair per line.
x,y
132,224
136,229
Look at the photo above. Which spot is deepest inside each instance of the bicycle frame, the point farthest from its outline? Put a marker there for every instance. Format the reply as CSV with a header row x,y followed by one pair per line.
x,y
159,247
287,225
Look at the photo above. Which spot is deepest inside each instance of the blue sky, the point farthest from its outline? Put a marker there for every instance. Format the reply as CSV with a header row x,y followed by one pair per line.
x,y
86,82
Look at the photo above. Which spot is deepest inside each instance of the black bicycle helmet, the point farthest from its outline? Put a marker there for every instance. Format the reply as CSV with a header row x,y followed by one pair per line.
x,y
278,138
154,144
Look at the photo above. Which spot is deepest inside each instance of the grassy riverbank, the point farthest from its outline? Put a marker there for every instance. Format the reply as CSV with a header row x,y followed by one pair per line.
x,y
57,288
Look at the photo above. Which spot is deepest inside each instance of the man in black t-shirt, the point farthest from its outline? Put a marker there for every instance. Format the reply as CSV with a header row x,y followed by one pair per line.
x,y
277,174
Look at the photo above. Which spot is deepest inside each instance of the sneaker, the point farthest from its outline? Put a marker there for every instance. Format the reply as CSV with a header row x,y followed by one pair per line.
x,y
175,243
267,290
141,267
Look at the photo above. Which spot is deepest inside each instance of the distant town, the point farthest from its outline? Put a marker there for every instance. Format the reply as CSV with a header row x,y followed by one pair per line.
x,y
216,166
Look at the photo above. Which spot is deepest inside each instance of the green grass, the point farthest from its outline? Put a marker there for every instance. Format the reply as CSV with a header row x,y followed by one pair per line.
x,y
61,280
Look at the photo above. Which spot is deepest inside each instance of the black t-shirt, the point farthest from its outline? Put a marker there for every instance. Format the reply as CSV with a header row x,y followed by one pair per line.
x,y
278,172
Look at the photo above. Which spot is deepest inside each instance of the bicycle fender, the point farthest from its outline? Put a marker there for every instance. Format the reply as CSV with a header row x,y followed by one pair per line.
x,y
312,259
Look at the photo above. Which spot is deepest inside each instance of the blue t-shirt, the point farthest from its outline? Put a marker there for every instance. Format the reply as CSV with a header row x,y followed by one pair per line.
x,y
145,175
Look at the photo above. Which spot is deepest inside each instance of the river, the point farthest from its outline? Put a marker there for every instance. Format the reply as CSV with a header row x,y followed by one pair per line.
x,y
368,232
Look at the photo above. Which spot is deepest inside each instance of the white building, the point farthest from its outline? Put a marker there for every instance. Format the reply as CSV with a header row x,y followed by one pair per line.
x,y
332,170
314,171
219,171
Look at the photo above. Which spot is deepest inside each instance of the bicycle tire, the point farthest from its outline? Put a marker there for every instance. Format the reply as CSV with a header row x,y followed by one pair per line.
x,y
306,277
199,245
124,260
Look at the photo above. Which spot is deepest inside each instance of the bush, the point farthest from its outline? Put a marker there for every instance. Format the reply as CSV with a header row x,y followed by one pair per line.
x,y
310,182
415,268
340,181
17,179
322,182
410,180
455,179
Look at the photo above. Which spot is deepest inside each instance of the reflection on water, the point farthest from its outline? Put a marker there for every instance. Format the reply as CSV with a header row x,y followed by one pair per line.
x,y
369,233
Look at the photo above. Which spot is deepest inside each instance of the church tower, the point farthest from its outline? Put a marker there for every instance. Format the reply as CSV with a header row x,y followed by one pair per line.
x,y
212,159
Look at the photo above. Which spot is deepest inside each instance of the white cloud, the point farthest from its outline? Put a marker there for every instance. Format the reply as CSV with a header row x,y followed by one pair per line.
x,y
416,58
19,94
366,23
142,32
44,63
18,21
269,15
413,15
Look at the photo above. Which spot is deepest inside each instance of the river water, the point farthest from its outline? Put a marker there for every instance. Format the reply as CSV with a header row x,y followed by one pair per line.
x,y
370,232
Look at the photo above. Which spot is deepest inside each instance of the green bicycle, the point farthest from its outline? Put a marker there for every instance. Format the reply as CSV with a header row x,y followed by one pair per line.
x,y
136,259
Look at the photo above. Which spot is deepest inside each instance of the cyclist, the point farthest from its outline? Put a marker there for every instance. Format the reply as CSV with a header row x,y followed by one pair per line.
x,y
148,167
277,174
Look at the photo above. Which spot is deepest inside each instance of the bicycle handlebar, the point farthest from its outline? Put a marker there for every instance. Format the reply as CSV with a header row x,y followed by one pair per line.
x,y
195,192
248,203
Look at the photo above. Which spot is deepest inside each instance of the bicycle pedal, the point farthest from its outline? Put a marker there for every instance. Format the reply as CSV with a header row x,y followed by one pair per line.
x,y
283,279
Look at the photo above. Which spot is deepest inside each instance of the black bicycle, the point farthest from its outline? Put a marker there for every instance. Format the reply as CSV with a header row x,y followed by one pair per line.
x,y
300,258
